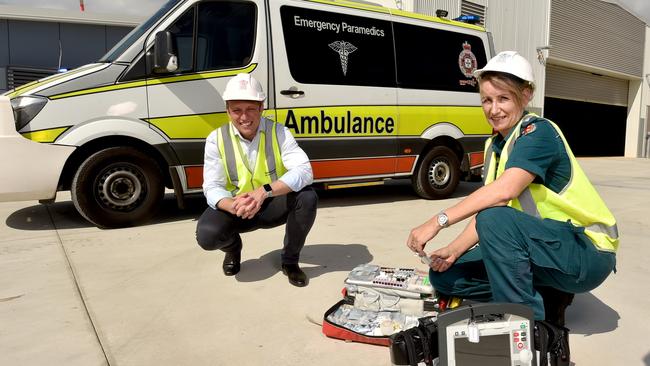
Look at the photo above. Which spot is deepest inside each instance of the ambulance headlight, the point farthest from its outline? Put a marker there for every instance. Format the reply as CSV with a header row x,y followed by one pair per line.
x,y
26,108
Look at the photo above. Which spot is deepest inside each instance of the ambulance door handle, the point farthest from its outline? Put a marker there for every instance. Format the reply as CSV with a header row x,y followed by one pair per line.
x,y
293,92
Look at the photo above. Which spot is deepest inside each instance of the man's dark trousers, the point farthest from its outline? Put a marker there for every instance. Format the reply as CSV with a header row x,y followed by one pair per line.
x,y
218,229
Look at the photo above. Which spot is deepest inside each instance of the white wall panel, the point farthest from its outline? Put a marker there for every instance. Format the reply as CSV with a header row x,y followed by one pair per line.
x,y
521,25
429,7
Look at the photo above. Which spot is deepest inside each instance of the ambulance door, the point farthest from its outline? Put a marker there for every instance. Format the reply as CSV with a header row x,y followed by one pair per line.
x,y
335,86
441,117
213,41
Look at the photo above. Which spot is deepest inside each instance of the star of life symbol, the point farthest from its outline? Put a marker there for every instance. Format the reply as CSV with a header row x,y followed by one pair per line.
x,y
344,49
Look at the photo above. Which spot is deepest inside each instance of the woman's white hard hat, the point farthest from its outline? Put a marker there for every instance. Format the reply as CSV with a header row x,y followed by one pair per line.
x,y
509,62
244,87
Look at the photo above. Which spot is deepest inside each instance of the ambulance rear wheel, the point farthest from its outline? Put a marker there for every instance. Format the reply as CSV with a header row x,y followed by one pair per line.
x,y
438,174
118,187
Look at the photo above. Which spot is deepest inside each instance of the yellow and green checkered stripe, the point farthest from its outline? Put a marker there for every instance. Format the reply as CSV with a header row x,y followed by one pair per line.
x,y
158,81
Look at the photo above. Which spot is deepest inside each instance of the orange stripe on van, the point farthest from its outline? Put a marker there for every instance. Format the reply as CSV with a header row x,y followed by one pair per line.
x,y
361,167
475,159
194,176
332,168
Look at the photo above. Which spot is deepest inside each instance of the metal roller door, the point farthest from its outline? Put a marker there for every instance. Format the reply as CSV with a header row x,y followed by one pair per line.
x,y
590,109
565,83
596,34
589,38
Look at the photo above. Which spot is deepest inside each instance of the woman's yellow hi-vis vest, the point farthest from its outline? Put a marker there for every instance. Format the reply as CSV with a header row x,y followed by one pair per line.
x,y
578,202
268,167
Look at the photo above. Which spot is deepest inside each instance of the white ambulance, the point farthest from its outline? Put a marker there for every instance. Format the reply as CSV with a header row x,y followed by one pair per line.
x,y
370,93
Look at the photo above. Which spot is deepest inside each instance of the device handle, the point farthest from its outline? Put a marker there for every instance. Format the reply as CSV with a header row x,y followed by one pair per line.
x,y
465,312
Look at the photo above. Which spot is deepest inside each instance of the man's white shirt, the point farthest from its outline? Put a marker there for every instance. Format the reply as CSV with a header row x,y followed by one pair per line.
x,y
299,173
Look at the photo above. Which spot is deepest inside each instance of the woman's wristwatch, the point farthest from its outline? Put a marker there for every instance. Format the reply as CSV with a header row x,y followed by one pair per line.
x,y
442,219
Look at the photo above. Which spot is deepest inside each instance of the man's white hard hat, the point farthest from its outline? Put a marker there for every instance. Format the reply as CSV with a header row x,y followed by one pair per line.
x,y
244,87
509,62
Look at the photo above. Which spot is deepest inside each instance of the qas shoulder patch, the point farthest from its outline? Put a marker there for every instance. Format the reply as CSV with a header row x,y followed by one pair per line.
x,y
529,129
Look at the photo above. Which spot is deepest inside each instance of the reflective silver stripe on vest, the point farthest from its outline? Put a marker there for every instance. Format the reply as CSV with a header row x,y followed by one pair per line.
x,y
528,204
611,231
231,163
268,147
488,160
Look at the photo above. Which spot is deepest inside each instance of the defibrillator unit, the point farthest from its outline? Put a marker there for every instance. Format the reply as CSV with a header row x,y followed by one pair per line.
x,y
487,334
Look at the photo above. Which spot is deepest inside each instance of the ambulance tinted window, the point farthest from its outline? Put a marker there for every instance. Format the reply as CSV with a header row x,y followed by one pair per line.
x,y
182,34
340,49
435,59
226,34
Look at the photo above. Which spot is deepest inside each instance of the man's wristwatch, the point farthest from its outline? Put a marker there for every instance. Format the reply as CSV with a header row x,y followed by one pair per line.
x,y
268,190
443,220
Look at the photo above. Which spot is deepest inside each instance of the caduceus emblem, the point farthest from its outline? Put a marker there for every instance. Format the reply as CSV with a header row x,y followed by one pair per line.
x,y
344,49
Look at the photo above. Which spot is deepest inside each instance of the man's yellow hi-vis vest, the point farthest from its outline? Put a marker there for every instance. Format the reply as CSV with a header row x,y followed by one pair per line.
x,y
268,167
578,202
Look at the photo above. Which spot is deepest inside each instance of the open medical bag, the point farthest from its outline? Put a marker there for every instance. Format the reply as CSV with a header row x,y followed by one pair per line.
x,y
378,302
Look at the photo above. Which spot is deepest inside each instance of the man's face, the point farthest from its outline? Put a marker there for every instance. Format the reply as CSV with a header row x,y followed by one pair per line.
x,y
245,116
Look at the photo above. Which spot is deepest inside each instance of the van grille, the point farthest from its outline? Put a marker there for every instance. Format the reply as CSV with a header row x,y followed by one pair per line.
x,y
470,8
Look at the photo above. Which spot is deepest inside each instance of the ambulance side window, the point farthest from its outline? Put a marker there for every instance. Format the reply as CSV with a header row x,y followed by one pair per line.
x,y
183,33
332,48
435,59
226,35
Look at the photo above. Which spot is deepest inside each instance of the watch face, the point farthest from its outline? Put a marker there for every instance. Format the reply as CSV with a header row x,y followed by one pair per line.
x,y
442,219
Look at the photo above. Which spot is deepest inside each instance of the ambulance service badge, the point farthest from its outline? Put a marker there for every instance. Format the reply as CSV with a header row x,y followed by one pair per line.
x,y
467,63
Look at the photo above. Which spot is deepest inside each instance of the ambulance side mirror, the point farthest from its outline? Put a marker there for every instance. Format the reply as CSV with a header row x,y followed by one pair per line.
x,y
164,59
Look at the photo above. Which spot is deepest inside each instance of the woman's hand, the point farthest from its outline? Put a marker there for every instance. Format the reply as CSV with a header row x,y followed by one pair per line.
x,y
419,236
442,259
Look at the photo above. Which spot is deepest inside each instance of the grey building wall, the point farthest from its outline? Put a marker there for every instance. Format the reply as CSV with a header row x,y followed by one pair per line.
x,y
50,45
4,53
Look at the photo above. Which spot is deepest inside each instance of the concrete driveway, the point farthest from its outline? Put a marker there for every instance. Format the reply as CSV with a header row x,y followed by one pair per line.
x,y
72,294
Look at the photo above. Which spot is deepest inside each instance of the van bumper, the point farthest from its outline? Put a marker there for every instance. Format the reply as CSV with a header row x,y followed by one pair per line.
x,y
29,170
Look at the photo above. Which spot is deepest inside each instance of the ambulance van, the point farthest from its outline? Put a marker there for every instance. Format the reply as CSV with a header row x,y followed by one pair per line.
x,y
370,93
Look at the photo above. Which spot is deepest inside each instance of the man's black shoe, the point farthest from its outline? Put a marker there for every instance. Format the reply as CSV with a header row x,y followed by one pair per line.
x,y
296,276
231,263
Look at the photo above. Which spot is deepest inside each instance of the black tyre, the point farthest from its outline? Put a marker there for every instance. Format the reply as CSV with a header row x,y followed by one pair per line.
x,y
437,174
118,187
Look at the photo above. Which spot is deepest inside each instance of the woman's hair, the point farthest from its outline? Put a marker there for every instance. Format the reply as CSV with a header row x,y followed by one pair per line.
x,y
511,83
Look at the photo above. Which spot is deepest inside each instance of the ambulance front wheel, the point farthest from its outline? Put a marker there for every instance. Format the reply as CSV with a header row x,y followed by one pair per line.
x,y
438,173
118,187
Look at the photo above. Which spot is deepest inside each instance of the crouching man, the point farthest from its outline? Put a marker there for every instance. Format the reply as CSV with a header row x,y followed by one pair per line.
x,y
255,176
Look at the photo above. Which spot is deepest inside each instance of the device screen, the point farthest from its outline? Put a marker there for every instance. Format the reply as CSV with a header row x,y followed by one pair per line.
x,y
490,351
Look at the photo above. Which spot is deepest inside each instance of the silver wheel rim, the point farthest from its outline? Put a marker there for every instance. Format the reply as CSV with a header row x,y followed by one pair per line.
x,y
439,173
120,187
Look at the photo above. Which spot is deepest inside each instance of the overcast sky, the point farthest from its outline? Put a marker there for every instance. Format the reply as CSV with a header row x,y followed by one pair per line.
x,y
146,7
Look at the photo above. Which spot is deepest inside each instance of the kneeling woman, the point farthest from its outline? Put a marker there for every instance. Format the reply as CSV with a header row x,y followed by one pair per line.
x,y
541,227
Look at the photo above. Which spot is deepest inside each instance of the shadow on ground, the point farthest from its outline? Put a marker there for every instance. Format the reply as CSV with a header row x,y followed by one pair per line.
x,y
315,260
588,315
391,191
63,215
